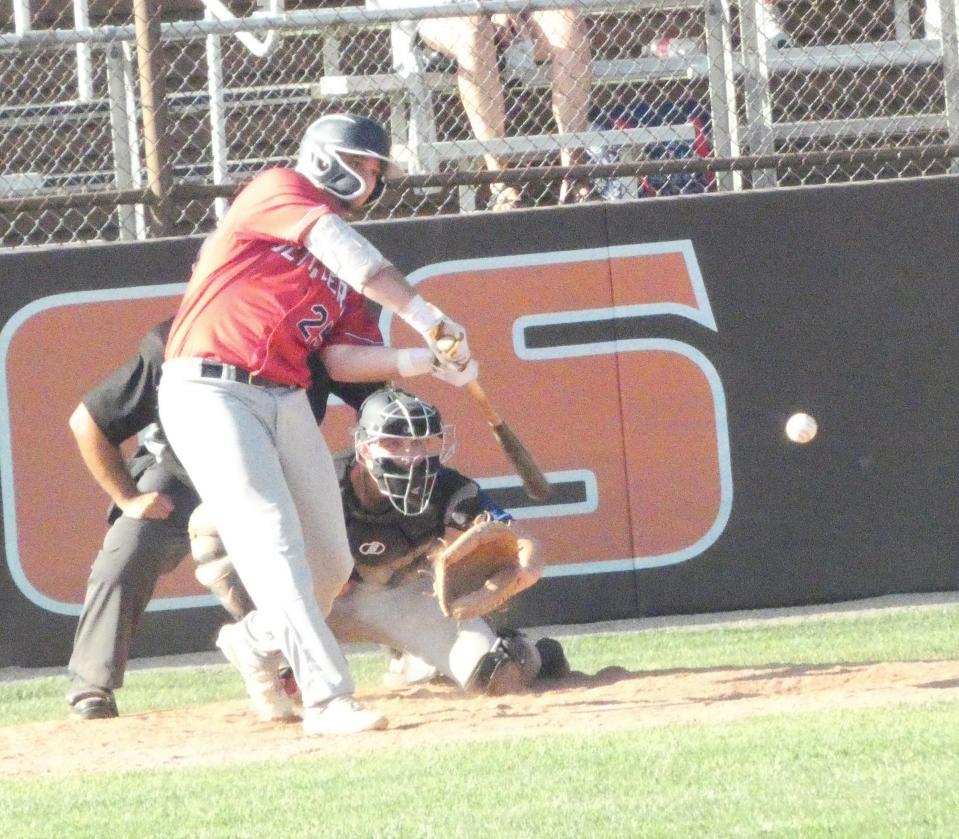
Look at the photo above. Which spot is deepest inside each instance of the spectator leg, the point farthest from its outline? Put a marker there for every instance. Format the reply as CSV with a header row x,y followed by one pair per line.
x,y
563,36
471,42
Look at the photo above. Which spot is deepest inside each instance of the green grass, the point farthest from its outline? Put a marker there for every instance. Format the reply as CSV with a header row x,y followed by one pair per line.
x,y
908,635
876,773
889,772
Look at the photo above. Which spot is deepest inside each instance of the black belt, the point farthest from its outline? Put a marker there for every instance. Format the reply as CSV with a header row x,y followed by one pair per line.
x,y
232,373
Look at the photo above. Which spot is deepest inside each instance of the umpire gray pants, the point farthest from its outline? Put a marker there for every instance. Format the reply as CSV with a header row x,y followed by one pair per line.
x,y
135,553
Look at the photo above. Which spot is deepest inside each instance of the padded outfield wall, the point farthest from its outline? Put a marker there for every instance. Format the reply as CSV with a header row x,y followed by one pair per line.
x,y
648,353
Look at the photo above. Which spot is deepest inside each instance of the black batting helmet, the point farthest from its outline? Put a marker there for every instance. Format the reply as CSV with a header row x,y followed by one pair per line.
x,y
330,137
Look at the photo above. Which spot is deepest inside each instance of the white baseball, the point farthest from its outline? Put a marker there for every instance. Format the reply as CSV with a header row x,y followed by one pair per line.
x,y
801,428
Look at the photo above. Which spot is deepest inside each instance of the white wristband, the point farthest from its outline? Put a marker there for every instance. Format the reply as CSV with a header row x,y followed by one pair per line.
x,y
420,315
414,362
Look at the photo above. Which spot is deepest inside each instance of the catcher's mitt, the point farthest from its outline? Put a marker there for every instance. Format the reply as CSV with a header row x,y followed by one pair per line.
x,y
483,568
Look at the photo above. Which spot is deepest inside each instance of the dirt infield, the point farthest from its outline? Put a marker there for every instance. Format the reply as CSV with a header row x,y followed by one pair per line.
x,y
610,700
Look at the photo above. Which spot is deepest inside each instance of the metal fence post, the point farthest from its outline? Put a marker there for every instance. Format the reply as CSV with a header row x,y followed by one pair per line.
x,y
146,18
950,70
21,16
218,146
722,89
81,20
123,132
759,120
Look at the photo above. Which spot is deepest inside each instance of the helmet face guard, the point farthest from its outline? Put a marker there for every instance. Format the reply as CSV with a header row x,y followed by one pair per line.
x,y
402,442
326,147
408,486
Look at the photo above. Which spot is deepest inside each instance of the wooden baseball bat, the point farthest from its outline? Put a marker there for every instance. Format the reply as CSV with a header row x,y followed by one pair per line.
x,y
534,481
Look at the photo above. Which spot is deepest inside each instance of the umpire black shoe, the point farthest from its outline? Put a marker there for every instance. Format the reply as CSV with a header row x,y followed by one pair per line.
x,y
94,704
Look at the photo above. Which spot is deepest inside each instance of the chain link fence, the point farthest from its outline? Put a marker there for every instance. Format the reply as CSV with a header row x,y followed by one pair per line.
x,y
126,119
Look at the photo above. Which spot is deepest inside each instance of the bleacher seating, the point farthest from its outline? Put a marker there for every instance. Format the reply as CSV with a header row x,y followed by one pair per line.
x,y
412,87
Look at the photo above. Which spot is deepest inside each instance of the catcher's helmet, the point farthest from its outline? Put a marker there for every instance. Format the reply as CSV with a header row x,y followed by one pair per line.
x,y
402,441
329,138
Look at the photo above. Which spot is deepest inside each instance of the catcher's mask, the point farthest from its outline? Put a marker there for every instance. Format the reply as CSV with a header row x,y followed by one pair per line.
x,y
325,149
401,440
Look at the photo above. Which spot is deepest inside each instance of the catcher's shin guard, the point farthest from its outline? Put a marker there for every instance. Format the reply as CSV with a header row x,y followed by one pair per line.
x,y
509,667
205,542
214,569
224,583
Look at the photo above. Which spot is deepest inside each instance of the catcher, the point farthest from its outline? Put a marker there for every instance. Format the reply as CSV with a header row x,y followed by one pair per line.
x,y
410,591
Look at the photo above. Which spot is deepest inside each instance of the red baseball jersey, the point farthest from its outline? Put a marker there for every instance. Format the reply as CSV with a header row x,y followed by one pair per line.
x,y
257,297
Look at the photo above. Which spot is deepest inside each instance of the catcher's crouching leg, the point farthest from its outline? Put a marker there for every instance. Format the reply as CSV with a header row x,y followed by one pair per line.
x,y
214,569
509,667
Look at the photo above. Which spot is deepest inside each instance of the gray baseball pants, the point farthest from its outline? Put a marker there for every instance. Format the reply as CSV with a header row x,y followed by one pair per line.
x,y
259,462
408,617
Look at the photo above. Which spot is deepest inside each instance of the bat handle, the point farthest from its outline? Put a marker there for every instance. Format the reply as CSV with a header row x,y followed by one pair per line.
x,y
477,392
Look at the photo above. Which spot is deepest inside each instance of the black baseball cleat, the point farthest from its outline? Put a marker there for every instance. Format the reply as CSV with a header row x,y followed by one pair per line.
x,y
94,705
554,664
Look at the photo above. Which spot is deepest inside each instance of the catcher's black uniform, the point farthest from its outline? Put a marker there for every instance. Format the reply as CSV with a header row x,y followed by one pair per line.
x,y
386,542
390,601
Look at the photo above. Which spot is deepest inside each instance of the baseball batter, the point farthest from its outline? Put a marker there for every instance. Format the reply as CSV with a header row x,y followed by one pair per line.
x,y
399,501
282,276
152,499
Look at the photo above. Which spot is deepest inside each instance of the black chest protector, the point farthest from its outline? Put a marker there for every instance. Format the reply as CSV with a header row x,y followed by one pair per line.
x,y
384,536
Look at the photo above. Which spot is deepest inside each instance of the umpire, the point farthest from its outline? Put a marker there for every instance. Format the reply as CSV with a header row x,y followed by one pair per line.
x,y
152,502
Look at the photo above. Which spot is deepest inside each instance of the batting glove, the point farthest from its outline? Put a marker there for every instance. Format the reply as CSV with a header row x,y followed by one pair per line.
x,y
444,336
